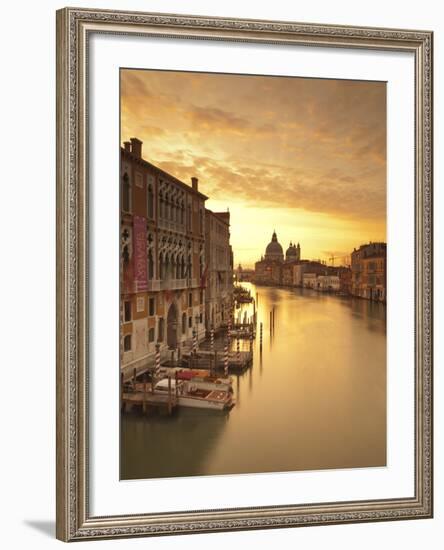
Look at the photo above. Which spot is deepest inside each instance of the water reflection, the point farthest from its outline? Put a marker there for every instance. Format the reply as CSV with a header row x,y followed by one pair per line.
x,y
314,398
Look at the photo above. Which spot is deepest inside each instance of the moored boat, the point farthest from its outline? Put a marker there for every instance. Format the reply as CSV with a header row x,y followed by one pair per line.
x,y
202,378
191,393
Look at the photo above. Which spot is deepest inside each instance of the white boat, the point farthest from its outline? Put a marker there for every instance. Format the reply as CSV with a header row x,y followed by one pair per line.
x,y
189,394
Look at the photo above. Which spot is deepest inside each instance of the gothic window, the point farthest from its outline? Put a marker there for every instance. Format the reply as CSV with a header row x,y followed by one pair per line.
x,y
201,221
167,207
161,267
182,264
172,213
178,269
167,269
125,255
126,193
150,265
161,205
150,198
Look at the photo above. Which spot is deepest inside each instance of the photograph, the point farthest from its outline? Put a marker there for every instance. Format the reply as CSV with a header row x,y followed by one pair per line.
x,y
253,274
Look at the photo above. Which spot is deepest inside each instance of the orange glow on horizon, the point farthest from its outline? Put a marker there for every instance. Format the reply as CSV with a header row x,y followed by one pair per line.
x,y
304,157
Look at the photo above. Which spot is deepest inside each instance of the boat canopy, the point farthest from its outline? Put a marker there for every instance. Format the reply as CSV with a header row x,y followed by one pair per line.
x,y
163,384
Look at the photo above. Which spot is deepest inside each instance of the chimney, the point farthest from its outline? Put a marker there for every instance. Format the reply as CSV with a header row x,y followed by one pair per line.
x,y
136,147
127,146
194,183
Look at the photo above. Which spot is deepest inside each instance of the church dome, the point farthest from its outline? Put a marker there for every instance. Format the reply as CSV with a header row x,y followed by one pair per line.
x,y
274,250
291,251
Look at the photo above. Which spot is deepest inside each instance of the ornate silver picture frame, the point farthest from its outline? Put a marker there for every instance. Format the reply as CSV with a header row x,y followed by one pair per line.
x,y
74,211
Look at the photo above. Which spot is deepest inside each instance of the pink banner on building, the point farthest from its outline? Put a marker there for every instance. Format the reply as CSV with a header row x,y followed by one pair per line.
x,y
139,254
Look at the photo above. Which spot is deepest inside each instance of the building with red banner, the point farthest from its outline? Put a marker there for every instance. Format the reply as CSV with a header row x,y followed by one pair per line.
x,y
163,260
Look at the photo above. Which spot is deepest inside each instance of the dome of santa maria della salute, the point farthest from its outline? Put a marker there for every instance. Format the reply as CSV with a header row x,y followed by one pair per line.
x,y
274,250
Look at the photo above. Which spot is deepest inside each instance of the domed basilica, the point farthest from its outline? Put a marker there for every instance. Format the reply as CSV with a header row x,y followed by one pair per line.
x,y
273,269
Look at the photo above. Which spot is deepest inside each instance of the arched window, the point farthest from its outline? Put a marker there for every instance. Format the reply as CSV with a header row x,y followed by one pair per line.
x,y
161,267
182,267
201,226
167,272
125,254
184,323
189,218
178,269
161,205
181,212
173,210
167,207
126,194
150,265
150,198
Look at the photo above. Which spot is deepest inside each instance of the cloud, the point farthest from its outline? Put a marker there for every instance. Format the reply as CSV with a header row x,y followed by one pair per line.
x,y
315,145
276,186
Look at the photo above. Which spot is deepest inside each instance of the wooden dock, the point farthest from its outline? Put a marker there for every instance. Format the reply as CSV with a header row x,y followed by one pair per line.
x,y
242,333
147,399
207,359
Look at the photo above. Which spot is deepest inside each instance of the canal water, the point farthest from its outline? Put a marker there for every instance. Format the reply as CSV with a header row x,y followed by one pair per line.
x,y
314,399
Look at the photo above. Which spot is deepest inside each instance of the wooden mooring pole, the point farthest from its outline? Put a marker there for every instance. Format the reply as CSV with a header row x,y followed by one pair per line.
x,y
226,358
145,390
121,390
170,405
157,362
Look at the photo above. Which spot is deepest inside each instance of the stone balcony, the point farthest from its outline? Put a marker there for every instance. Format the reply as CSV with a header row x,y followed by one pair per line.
x,y
174,284
153,285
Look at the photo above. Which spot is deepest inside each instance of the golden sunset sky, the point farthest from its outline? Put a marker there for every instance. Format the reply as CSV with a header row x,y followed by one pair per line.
x,y
306,157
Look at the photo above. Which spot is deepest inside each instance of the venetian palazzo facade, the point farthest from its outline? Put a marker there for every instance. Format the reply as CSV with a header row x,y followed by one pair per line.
x,y
163,260
219,269
369,271
272,268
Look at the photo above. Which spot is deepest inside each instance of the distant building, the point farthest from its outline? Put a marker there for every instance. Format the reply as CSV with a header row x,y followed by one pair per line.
x,y
219,269
244,275
307,266
272,269
309,280
345,278
368,271
328,283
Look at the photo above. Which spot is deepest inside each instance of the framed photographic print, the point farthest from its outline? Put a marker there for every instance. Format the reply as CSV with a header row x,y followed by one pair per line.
x,y
244,274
